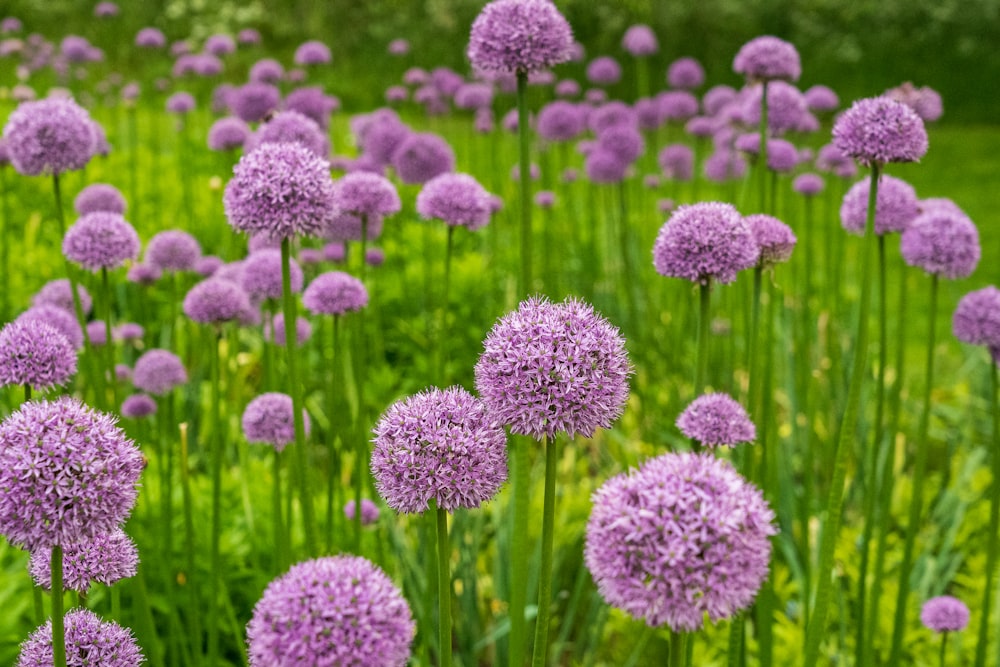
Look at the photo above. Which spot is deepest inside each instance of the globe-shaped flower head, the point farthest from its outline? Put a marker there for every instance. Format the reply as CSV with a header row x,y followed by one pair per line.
x,y
716,419
291,127
268,419
685,73
262,275
253,101
101,240
312,53
519,36
89,641
58,293
549,367
216,300
977,317
640,40
49,136
768,58
280,190
366,194
896,206
705,242
104,559
172,250
775,239
944,614
57,317
99,197
337,610
421,156
681,536
159,372
878,130
456,199
334,293
943,243
35,354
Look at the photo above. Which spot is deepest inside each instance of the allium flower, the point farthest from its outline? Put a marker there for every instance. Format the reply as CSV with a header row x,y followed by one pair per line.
x,y
896,206
768,58
640,40
89,641
368,194
625,141
276,330
143,274
312,53
280,190
253,101
99,197
347,226
977,317
266,70
248,36
782,156
604,71
456,199
877,130
519,36
268,419
60,319
808,184
49,136
398,47
944,614
334,293
35,354
724,165
313,103
172,250
924,100
704,242
369,511
422,156
545,199
775,239
942,243
438,445
677,162
716,419
104,559
216,300
686,74
291,127
567,88
58,293
681,536
337,610
786,108
101,241
374,257
821,98
138,406
603,166
548,368
150,38
220,45
228,134
180,103
474,95
677,105
609,115
68,473
97,333
262,275
159,372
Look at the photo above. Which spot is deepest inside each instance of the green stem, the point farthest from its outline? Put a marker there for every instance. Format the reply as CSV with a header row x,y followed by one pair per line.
x,y
640,646
520,476
58,622
678,650
443,322
334,481
194,605
541,649
944,648
5,246
444,586
992,544
109,347
701,362
215,557
737,628
525,288
762,152
278,521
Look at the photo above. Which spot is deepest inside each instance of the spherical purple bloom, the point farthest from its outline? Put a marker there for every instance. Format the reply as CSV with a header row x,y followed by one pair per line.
x,y
677,162
58,293
548,368
96,333
280,190
99,197
369,511
68,473
290,127
682,536
474,95
624,141
446,81
10,24
439,445
456,199
312,102
228,134
878,130
821,98
545,199
786,108
604,166
944,614
717,97
159,372
649,114
105,559
253,101
262,242
567,88
248,36
347,226
782,156
275,331
895,208
768,58
484,121
62,320
686,74
611,114
220,45
266,70
49,136
180,103
396,94
367,194
925,101
262,275
677,105
604,71
335,293
519,36
75,49
138,406
941,243
808,184
398,47
775,239
123,372
335,251
422,156
717,419
640,40
172,250
216,300
35,354
89,641
379,134
705,242
374,257
101,241
312,53
268,419
977,317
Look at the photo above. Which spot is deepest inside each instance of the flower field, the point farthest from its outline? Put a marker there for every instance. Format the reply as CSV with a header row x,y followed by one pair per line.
x,y
568,356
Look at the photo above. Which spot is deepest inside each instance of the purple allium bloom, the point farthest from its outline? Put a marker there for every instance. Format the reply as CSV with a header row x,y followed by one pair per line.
x,y
99,197
944,614
335,251
313,103
677,105
611,114
220,45
686,74
567,88
768,58
545,199
519,36
549,367
280,190
123,372
366,194
398,47
57,293
649,114
172,250
640,40
446,81
705,242
717,419
808,184
877,130
262,242
474,95
89,641
379,134
10,24
253,101
604,166
138,406
416,76
268,419
677,162
821,98
604,71
977,317
439,445
105,10
68,473
248,36
374,257
396,94
895,208
369,511
101,241
36,354
624,141
262,275
49,136
334,293
347,226
941,243
775,239
312,53
456,199
290,127
782,156
266,70
484,121
683,535
275,331
925,101
786,108
216,300
143,274
666,205
105,559
717,97
62,320
335,610
159,372
180,103
701,126
97,333
75,49
228,134
422,156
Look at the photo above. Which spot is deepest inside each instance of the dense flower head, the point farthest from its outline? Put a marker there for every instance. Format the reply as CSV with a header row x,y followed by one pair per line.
x,y
253,101
374,257
717,98
877,130
768,58
775,239
685,73
808,184
369,511
312,102
421,156
335,610
640,40
75,49
268,419
228,134
220,45
567,88
677,105
312,53
942,243
216,300
280,190
977,317
36,354
105,10
682,536
604,71
782,155
519,36
290,127
266,70
58,293
248,36
180,103
821,98
604,166
365,193
150,38
138,406
896,206
68,473
625,141
49,136
398,47
158,372
474,95
379,134
335,293
724,165
347,226
677,162
456,199
97,333
924,100
59,318
99,197
944,614
172,250
609,115
786,108
550,367
262,275
703,242
275,330
89,641
101,240
648,113
716,419
104,559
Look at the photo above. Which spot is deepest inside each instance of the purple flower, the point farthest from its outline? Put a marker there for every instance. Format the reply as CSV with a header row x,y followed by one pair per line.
x,y
68,473
268,419
336,610
266,70
567,88
821,98
474,95
180,103
456,199
262,275
398,47
290,127
782,156
312,53
143,274
105,559
281,190
101,241
705,242
36,354
374,257
944,614
347,226
216,300
808,184
172,250
941,243
313,103
89,641
105,10
441,446
686,74
877,130
545,199
60,319
49,136
138,406
548,368
640,40
276,330
604,166
228,134
519,36
649,114
422,156
924,100
335,250
717,98
366,194
335,293
977,317
248,36
99,197
786,108
677,105
369,511
717,419
159,372
220,45
624,141
97,333
253,101
768,58
775,239
677,162
396,94
610,115
682,536
604,71
724,165
895,206
57,293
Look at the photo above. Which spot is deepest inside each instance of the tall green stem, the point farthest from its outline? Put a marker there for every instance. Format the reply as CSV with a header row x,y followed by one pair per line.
x,y
444,586
701,362
215,557
333,483
109,347
525,288
991,548
194,606
762,152
520,476
678,649
58,622
541,649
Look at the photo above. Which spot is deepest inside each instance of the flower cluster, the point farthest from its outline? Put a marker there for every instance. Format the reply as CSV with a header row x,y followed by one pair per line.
x,y
101,240
705,242
944,614
519,36
334,293
456,199
158,372
717,419
104,559
49,136
89,641
35,354
878,130
269,419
